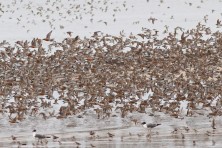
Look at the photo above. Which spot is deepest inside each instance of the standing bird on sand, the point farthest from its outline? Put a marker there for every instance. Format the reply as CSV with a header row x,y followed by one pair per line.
x,y
40,137
150,125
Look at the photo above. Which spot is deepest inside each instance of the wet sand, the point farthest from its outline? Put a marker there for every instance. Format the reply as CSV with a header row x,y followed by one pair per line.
x,y
191,132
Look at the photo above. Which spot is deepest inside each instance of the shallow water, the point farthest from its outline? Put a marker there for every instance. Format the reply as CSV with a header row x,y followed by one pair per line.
x,y
126,133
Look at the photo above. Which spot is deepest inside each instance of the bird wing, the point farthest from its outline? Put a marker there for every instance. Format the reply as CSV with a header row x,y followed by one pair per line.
x,y
40,136
48,35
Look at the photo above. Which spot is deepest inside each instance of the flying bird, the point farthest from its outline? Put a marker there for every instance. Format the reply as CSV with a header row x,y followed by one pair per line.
x,y
69,33
48,37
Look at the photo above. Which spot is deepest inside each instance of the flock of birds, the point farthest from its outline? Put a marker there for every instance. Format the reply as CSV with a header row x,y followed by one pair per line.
x,y
110,75
56,15
92,137
113,73
47,12
43,139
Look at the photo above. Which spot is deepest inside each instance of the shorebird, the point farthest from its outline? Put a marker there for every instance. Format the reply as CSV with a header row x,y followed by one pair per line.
x,y
33,43
92,133
110,135
40,137
152,20
21,144
150,125
77,143
14,138
48,37
69,33
218,23
92,145
54,137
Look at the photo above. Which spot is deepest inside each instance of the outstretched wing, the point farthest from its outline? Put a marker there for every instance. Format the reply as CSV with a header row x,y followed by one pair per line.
x,y
48,35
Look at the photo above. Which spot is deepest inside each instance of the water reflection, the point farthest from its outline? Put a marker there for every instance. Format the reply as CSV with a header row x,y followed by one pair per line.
x,y
123,138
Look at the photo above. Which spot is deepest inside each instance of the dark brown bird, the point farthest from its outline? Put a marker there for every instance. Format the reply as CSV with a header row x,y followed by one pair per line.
x,y
69,33
92,133
110,135
213,124
77,143
14,138
218,23
33,44
54,137
152,20
92,145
